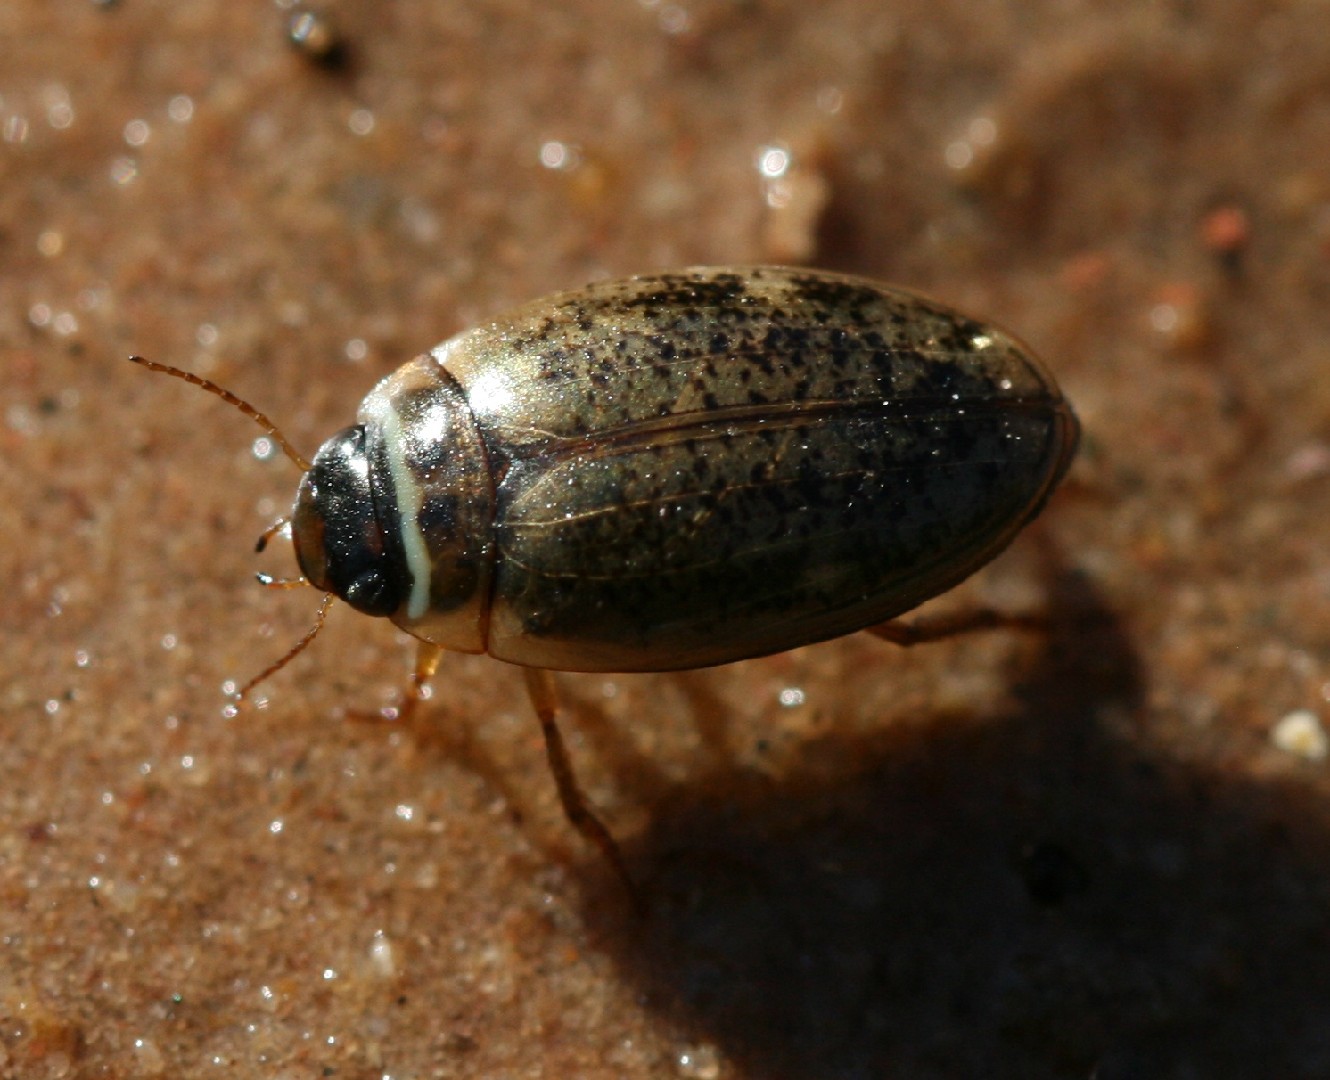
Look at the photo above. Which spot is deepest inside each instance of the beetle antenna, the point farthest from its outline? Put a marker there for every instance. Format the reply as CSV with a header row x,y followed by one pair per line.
x,y
295,650
231,399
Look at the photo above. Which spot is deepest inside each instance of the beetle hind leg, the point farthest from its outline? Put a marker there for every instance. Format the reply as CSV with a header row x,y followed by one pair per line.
x,y
545,701
951,624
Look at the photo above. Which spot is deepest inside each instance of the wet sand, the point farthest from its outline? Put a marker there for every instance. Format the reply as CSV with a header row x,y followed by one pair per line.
x,y
1100,851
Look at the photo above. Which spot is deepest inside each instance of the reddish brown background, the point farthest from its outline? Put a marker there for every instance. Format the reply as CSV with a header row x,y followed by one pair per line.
x,y
1011,856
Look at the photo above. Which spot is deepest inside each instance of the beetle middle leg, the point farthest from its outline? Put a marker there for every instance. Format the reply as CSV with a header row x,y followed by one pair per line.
x,y
428,656
545,700
938,627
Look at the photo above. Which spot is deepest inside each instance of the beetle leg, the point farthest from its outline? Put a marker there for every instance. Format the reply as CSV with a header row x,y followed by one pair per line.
x,y
427,662
282,524
937,627
270,582
545,700
428,656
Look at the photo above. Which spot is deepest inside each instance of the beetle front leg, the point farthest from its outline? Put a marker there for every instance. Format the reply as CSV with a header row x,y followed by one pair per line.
x,y
545,700
937,627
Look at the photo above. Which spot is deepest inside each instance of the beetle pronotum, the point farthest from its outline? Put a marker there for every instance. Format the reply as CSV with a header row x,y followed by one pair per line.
x,y
676,471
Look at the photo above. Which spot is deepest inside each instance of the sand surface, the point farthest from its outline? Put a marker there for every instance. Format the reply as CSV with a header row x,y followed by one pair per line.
x,y
1100,851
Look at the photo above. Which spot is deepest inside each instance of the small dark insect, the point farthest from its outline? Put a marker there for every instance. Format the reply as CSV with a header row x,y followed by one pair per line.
x,y
676,471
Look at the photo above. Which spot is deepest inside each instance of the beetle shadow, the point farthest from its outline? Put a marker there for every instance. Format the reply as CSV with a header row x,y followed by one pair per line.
x,y
1035,896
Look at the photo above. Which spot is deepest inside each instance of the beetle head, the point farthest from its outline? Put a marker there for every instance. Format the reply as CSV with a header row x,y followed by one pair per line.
x,y
341,544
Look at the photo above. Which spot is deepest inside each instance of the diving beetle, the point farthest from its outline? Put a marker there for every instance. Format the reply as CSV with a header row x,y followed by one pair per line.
x,y
676,471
